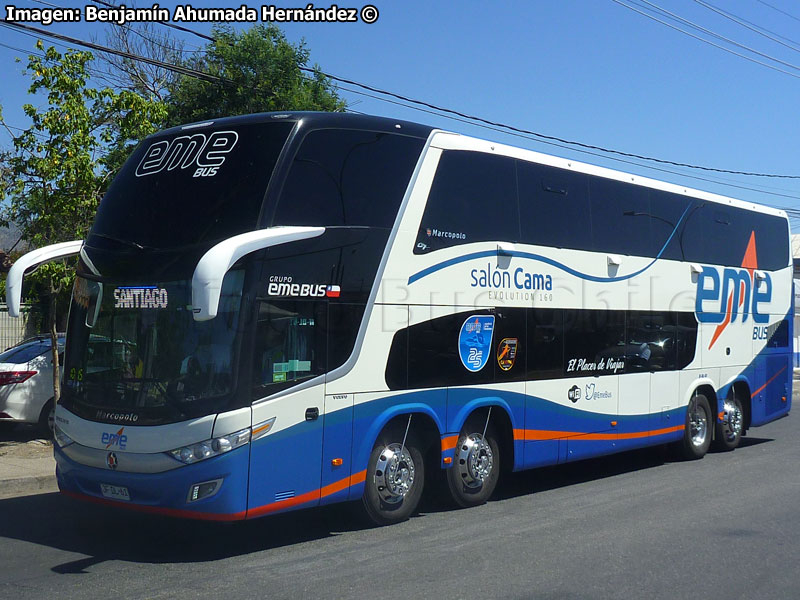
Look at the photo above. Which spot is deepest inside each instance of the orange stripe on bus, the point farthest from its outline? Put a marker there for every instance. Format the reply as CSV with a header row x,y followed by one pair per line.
x,y
538,435
753,395
332,488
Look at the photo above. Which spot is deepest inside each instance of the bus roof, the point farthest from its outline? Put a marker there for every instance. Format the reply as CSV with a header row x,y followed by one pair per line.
x,y
322,120
318,120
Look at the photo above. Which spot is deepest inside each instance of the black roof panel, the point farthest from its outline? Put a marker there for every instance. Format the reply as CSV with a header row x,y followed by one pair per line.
x,y
322,120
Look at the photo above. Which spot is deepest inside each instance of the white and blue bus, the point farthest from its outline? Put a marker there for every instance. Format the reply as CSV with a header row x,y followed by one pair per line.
x,y
280,311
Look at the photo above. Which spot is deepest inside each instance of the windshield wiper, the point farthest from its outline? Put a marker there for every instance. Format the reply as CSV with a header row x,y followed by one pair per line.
x,y
121,241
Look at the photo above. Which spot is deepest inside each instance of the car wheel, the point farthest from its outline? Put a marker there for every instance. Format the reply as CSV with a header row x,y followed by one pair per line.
x,y
47,418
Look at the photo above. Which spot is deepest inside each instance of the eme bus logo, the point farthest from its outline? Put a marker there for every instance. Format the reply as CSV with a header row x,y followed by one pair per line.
x,y
201,152
737,291
722,299
114,439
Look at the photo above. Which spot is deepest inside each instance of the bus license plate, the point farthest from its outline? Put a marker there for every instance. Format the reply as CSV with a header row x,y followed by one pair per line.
x,y
116,492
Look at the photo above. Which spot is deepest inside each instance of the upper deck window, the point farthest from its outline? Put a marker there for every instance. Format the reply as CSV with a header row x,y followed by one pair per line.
x,y
343,177
482,197
473,198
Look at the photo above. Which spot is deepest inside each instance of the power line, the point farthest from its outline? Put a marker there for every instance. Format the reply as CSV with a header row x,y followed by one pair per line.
x,y
169,66
524,131
42,55
474,119
705,41
541,135
587,152
128,27
716,35
783,12
555,144
164,23
749,25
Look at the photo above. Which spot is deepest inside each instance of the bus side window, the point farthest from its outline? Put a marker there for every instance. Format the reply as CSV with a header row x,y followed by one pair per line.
x,y
779,336
290,344
650,342
594,342
473,198
344,321
621,218
554,207
343,177
722,237
687,338
546,343
666,227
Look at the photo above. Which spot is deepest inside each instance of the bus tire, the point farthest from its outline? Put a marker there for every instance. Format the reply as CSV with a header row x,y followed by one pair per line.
x,y
728,431
476,469
394,481
697,432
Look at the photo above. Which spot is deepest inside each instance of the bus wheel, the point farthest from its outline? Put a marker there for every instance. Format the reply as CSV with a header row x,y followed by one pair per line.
x,y
474,475
395,479
697,433
728,432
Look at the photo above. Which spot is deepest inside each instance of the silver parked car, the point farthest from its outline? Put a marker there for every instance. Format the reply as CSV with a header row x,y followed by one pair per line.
x,y
26,383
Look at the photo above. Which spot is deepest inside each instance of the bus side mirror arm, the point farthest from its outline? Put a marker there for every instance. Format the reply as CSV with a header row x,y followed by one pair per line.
x,y
31,260
211,268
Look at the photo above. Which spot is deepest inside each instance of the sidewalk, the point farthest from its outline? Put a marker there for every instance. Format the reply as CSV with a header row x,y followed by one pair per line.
x,y
26,467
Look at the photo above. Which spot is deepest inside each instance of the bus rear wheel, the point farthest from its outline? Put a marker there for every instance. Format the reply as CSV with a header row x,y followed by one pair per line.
x,y
395,478
473,477
728,432
697,432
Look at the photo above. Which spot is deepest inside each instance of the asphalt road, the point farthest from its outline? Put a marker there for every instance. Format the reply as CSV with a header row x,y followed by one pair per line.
x,y
630,526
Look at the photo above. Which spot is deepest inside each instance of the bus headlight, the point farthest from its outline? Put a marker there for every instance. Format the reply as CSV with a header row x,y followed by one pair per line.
x,y
209,448
62,439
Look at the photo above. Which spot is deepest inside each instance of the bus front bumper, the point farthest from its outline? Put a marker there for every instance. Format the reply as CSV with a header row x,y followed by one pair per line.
x,y
167,493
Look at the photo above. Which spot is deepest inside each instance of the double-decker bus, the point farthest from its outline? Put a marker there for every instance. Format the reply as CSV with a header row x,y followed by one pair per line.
x,y
279,311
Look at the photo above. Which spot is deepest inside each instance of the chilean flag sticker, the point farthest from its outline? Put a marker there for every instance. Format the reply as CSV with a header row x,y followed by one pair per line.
x,y
333,291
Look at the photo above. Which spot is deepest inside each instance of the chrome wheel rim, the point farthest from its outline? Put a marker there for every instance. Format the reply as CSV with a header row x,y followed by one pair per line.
x,y
698,425
394,473
474,460
732,420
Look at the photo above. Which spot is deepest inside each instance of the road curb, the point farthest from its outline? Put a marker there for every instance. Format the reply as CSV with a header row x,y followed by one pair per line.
x,y
26,486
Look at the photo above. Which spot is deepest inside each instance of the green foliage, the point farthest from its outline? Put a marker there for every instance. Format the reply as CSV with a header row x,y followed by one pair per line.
x,y
262,73
59,167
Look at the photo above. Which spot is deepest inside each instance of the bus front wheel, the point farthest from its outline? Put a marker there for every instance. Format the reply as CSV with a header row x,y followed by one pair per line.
x,y
395,479
474,475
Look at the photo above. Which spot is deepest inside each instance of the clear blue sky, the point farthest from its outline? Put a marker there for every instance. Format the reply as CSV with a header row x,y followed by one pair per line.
x,y
584,70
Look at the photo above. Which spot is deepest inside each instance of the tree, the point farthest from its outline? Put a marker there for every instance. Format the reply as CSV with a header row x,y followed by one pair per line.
x,y
259,71
60,166
141,39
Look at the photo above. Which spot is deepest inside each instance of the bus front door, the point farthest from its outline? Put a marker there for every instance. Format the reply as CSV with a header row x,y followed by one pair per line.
x,y
285,463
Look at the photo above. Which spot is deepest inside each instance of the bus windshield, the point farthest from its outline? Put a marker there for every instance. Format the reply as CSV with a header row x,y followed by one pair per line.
x,y
137,350
194,186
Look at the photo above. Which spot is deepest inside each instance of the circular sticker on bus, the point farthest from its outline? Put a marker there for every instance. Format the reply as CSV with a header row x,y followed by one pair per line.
x,y
475,341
